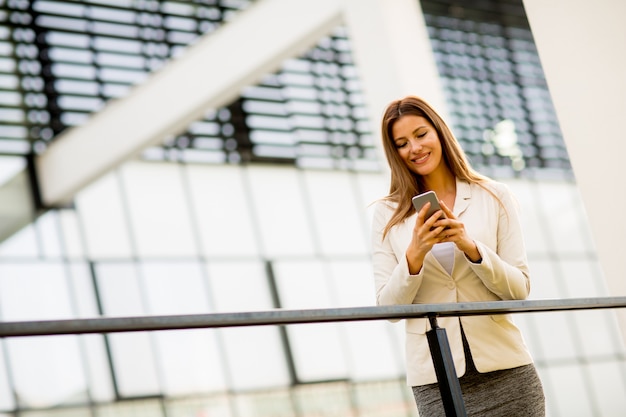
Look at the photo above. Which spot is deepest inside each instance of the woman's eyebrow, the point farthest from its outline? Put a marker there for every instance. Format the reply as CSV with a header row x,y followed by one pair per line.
x,y
413,132
418,128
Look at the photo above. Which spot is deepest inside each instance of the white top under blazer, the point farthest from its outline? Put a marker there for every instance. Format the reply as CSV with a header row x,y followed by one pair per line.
x,y
495,342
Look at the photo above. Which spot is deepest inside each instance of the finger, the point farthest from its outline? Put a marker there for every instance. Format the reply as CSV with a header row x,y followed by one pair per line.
x,y
447,233
422,213
446,210
435,217
445,223
419,221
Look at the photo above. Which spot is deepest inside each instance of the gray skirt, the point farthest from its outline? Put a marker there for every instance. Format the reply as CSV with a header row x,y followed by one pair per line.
x,y
509,392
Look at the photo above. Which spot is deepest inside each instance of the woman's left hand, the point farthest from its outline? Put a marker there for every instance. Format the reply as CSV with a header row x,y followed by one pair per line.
x,y
455,232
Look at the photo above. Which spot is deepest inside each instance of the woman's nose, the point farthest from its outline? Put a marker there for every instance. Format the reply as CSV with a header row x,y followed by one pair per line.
x,y
415,146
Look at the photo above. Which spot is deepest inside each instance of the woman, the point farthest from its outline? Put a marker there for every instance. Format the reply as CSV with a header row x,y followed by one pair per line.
x,y
471,250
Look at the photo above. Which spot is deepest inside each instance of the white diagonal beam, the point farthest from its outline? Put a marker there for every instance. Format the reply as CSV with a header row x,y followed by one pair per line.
x,y
208,75
16,208
581,46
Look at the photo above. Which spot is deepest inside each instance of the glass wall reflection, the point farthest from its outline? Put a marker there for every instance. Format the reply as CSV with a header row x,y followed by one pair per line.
x,y
280,265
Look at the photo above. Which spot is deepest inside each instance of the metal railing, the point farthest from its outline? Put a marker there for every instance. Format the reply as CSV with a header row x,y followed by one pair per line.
x,y
442,357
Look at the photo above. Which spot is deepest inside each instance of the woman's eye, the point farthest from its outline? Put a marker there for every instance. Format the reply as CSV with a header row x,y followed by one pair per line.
x,y
421,135
401,145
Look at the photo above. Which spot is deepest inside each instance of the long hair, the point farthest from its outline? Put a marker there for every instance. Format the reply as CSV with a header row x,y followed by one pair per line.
x,y
404,183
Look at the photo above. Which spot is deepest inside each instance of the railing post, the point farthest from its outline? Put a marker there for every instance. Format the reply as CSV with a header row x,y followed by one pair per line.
x,y
449,385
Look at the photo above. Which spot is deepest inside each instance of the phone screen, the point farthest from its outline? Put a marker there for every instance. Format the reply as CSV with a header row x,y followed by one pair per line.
x,y
429,196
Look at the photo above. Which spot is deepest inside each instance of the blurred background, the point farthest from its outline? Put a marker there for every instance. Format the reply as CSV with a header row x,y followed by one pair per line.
x,y
250,190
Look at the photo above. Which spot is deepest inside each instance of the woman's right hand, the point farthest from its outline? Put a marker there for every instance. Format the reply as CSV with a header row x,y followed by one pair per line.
x,y
424,237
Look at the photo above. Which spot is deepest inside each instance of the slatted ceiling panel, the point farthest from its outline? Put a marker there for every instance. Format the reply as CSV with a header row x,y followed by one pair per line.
x,y
491,72
314,105
310,113
66,59
62,60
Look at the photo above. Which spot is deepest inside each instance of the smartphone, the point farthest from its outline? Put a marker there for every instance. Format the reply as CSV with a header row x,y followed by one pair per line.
x,y
429,196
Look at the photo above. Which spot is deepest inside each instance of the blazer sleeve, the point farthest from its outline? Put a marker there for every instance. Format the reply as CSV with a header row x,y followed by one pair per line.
x,y
394,284
504,271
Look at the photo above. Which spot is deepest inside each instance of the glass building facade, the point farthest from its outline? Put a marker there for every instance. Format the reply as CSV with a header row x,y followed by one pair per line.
x,y
264,204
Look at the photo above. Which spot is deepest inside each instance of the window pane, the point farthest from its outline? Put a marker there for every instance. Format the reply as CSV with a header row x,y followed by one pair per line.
x,y
353,286
555,335
48,232
99,373
101,210
303,285
555,332
134,364
81,283
190,360
569,394
6,395
544,281
119,289
158,209
535,235
238,287
564,217
71,234
133,355
34,291
338,218
22,243
608,386
601,332
583,278
223,210
280,211
46,370
371,187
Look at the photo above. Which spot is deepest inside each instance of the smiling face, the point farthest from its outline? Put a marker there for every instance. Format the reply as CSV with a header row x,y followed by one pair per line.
x,y
418,145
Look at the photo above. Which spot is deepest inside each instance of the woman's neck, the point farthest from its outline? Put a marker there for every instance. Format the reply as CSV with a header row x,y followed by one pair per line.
x,y
444,185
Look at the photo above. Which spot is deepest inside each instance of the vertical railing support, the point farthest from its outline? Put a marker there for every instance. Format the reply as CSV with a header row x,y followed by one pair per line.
x,y
449,385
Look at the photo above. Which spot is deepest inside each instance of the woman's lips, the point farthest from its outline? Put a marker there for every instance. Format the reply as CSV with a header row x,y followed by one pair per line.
x,y
421,159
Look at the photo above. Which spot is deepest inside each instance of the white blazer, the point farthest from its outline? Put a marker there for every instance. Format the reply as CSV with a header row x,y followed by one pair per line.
x,y
495,342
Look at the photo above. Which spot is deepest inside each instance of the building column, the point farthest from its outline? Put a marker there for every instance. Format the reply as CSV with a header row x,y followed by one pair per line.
x,y
581,45
393,54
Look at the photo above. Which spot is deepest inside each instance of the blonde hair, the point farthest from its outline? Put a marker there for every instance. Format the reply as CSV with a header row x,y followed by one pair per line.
x,y
404,183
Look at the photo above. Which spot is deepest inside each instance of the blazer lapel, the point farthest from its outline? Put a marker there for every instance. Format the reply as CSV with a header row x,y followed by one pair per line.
x,y
463,197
